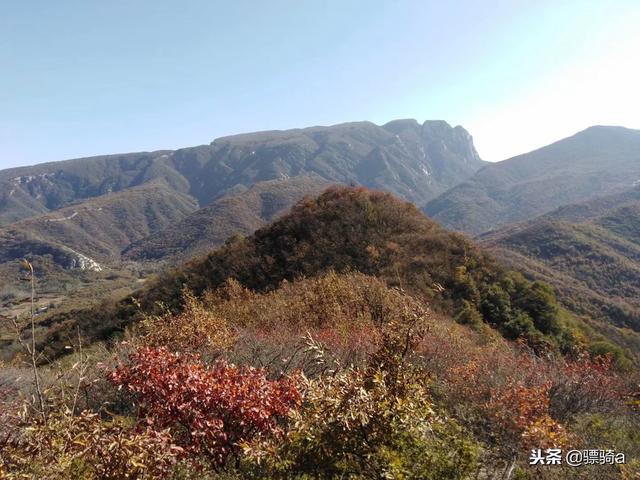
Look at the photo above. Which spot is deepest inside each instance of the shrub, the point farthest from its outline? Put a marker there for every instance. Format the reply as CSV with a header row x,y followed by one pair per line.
x,y
85,446
373,422
496,305
210,410
539,301
369,425
345,312
194,329
585,385
468,314
519,325
522,415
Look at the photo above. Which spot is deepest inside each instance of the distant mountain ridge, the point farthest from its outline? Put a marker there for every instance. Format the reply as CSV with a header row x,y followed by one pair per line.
x,y
412,160
29,191
93,232
598,161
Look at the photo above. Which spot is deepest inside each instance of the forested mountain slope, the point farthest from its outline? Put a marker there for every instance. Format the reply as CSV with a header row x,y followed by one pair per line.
x,y
350,229
98,228
590,252
29,191
239,214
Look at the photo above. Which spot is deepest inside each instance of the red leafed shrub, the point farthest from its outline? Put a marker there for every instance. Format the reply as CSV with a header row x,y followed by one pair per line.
x,y
522,413
211,410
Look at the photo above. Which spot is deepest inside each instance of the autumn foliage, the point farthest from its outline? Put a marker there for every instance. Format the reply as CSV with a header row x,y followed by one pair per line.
x,y
522,413
212,410
87,446
194,329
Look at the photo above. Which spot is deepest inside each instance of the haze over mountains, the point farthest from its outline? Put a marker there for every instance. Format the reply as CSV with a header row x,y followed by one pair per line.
x,y
597,161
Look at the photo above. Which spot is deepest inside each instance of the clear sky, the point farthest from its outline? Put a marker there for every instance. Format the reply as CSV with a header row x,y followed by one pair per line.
x,y
88,77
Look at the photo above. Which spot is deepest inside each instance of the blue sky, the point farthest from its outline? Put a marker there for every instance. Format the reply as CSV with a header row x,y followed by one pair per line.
x,y
89,77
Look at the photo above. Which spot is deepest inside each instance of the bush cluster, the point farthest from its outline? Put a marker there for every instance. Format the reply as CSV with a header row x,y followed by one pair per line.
x,y
280,387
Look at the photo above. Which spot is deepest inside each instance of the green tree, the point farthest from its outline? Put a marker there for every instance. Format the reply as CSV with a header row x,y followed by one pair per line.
x,y
496,305
539,301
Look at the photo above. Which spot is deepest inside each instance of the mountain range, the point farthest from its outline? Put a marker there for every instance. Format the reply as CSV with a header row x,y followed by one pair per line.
x,y
590,252
417,162
567,214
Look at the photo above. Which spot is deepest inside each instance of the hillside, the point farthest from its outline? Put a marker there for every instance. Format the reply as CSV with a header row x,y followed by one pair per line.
x,y
239,214
351,229
351,324
596,207
76,218
590,252
99,228
332,376
30,191
597,161
78,246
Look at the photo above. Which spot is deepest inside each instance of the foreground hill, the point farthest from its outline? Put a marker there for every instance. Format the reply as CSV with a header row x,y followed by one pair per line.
x,y
597,161
350,229
417,162
390,390
590,252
